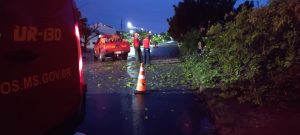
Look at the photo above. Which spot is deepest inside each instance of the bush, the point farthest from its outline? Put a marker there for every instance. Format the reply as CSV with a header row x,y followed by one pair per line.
x,y
160,38
190,42
251,56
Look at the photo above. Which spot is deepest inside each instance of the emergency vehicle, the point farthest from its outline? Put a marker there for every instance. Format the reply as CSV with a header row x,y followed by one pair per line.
x,y
111,45
41,77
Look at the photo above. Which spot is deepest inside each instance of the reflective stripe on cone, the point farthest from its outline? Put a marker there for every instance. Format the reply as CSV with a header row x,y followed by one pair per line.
x,y
141,83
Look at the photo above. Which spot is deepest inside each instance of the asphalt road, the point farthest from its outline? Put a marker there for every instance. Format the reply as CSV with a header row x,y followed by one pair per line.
x,y
169,107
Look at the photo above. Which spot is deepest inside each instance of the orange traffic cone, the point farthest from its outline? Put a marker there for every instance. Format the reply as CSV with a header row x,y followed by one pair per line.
x,y
141,83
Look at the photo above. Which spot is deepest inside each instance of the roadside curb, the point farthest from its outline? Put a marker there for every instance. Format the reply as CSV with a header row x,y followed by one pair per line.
x,y
166,61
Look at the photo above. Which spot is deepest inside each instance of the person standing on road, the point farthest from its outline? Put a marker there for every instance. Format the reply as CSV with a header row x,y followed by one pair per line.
x,y
136,44
155,44
146,43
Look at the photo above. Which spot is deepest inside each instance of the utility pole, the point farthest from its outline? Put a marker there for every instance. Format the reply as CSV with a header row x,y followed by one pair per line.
x,y
257,2
121,24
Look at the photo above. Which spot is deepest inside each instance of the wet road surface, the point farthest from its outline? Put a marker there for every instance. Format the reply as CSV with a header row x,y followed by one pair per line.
x,y
169,107
156,113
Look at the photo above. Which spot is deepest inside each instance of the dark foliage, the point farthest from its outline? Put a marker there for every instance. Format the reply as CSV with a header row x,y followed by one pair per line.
x,y
87,32
197,14
255,56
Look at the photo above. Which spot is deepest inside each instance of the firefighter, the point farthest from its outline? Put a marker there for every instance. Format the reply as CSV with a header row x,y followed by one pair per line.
x,y
146,43
155,44
136,44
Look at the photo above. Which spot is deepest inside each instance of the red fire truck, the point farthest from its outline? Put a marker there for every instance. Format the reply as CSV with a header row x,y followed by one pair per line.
x,y
41,74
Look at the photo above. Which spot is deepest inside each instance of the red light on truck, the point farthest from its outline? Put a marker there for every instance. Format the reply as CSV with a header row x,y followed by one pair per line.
x,y
77,32
80,64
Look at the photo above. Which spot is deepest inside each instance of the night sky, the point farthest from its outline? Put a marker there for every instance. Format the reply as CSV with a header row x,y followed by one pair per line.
x,y
148,14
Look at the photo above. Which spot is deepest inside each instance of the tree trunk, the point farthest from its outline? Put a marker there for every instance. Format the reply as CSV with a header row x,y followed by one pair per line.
x,y
85,43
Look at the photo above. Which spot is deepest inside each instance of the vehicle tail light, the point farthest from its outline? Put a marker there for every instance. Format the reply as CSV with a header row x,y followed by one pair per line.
x,y
80,64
